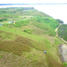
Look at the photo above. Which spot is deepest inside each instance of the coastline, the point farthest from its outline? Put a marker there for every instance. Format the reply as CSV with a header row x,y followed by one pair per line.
x,y
62,52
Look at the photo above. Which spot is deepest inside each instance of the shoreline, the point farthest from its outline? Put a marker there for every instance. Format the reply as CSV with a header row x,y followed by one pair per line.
x,y
60,53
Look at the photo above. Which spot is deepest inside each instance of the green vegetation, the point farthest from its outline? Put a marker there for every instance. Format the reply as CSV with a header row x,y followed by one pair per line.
x,y
17,46
48,24
20,23
27,38
0,56
14,12
62,31
60,21
28,31
65,64
3,19
47,20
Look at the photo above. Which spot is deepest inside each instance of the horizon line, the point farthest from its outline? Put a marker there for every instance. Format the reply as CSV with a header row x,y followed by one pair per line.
x,y
33,4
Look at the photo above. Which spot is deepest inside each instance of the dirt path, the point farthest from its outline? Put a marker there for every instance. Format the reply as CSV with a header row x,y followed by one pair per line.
x,y
62,48
57,34
57,30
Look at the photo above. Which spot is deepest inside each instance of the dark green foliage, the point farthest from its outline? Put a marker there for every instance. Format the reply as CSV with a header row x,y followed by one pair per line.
x,y
20,23
3,19
62,31
60,21
28,31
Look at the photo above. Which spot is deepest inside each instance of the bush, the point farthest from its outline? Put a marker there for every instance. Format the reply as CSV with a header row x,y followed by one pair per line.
x,y
65,64
28,31
60,21
3,19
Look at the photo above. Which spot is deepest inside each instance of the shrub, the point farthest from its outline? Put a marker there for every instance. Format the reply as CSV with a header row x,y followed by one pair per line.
x,y
3,19
65,64
28,31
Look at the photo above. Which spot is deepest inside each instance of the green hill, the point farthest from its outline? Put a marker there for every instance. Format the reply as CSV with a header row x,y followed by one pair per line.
x,y
22,42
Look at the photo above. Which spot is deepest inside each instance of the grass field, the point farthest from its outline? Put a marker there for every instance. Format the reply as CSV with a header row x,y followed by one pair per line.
x,y
30,49
22,44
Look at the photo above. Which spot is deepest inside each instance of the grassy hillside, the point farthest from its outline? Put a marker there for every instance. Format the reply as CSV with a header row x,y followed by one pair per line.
x,y
18,13
46,23
62,31
22,43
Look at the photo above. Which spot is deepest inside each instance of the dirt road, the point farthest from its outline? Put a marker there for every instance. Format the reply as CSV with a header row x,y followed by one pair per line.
x,y
57,34
62,48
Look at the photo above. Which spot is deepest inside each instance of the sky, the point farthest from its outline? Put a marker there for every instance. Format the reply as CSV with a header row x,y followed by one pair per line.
x,y
55,11
33,1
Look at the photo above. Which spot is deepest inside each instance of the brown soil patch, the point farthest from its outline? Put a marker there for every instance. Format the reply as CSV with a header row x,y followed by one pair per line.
x,y
17,47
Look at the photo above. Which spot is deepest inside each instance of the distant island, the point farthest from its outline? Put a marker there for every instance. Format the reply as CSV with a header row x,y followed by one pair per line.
x,y
32,4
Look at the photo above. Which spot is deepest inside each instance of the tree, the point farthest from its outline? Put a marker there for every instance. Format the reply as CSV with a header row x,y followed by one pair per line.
x,y
60,21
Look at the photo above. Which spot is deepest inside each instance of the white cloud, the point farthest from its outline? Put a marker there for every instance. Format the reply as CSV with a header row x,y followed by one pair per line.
x,y
33,1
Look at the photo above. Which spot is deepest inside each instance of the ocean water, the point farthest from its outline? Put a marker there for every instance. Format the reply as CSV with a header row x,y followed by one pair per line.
x,y
55,11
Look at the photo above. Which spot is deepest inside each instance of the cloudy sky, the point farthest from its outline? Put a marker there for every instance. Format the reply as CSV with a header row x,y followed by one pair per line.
x,y
33,1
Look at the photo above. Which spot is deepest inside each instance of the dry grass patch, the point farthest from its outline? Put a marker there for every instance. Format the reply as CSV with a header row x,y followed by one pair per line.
x,y
51,62
38,58
12,60
18,46
5,36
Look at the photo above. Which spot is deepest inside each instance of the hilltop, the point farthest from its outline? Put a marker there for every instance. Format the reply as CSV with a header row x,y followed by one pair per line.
x,y
22,42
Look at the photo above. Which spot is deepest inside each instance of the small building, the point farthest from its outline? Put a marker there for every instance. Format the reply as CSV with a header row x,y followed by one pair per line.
x,y
44,51
0,24
10,21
